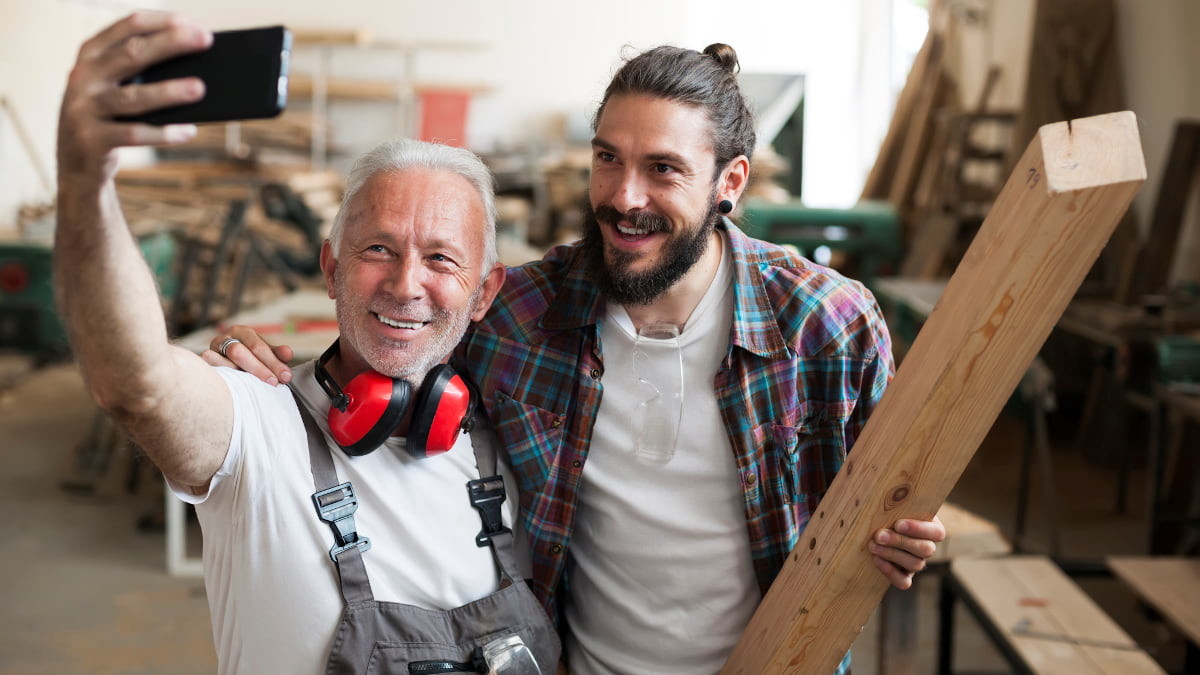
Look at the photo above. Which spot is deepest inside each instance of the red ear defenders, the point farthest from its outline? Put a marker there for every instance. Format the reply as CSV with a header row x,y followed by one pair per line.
x,y
372,406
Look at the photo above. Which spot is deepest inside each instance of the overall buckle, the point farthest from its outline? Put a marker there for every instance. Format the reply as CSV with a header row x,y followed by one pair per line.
x,y
487,496
336,506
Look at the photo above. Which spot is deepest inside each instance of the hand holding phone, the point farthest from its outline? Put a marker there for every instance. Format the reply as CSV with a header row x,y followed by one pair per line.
x,y
245,76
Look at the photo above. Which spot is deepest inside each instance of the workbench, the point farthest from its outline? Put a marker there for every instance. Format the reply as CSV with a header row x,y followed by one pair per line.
x,y
1171,586
1176,505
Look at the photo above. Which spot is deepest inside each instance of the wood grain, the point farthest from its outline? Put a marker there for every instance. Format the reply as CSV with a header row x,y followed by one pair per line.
x,y
1050,622
1170,585
1046,228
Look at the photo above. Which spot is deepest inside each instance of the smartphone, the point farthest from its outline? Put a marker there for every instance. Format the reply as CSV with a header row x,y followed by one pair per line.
x,y
245,74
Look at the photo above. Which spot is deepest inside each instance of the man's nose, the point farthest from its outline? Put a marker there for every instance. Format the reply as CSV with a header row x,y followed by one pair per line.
x,y
630,192
404,281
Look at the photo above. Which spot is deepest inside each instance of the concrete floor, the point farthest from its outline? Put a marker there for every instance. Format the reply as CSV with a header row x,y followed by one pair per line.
x,y
85,589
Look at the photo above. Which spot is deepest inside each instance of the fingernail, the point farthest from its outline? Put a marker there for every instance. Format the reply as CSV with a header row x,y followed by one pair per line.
x,y
272,381
883,537
903,527
178,133
285,376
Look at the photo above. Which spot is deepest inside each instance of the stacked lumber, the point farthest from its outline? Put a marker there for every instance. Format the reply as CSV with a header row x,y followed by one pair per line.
x,y
289,134
949,145
238,242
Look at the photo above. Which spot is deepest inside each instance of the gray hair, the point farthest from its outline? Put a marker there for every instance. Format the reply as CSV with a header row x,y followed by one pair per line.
x,y
406,154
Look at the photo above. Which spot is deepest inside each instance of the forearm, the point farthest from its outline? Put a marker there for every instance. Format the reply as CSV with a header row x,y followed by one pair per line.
x,y
107,296
110,304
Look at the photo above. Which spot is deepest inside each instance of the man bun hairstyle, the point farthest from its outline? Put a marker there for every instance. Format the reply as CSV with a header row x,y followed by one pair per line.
x,y
705,79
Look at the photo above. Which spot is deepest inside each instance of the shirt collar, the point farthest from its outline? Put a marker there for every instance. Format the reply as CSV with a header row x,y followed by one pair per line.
x,y
578,302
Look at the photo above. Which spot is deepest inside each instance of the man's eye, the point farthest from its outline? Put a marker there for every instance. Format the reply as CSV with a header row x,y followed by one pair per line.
x,y
377,248
663,168
605,157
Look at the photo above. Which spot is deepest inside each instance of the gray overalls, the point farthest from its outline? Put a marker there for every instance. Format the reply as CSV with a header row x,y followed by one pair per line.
x,y
390,637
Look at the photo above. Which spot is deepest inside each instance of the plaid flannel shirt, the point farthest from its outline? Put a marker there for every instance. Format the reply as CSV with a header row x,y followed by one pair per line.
x,y
809,358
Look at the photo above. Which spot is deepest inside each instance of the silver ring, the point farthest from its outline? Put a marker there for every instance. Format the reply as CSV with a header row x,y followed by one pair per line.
x,y
225,345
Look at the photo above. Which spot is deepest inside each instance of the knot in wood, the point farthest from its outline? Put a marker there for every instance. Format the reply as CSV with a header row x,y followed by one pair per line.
x,y
897,495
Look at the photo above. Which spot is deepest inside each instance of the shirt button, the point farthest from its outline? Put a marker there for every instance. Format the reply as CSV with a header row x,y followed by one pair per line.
x,y
557,422
577,464
750,478
595,373
556,549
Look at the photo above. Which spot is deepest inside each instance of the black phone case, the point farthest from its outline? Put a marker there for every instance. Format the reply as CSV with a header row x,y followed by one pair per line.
x,y
244,74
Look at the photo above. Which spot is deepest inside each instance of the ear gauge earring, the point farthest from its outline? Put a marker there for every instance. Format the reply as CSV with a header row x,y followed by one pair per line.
x,y
725,206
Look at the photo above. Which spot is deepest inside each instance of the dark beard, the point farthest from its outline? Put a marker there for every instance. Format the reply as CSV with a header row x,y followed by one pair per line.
x,y
615,280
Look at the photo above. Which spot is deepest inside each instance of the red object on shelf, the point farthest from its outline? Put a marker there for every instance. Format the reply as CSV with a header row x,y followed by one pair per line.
x,y
444,116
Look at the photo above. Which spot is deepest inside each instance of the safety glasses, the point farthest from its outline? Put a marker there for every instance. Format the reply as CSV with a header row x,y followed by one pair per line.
x,y
658,365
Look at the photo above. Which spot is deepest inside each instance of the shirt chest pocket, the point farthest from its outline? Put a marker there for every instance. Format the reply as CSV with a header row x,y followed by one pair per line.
x,y
810,451
531,436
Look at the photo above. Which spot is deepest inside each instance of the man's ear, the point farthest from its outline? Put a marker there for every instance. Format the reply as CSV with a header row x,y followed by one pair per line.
x,y
734,179
328,268
491,288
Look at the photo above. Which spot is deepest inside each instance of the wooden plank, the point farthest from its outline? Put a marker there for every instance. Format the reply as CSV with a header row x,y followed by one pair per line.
x,y
1170,585
1050,622
1046,228
879,179
1158,254
356,37
968,535
300,85
916,137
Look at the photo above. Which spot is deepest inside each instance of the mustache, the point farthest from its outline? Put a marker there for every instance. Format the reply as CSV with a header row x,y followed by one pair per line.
x,y
639,219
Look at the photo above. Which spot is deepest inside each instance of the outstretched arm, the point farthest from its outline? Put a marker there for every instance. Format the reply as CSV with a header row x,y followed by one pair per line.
x,y
175,407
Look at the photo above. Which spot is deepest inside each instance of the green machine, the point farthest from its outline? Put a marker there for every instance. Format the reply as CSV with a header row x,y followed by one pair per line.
x,y
868,232
28,320
1179,361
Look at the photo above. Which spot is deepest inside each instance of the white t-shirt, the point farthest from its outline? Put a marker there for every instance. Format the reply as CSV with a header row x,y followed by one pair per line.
x,y
663,581
272,588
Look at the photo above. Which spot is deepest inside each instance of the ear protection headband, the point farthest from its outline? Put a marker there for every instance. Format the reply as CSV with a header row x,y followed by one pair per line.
x,y
372,406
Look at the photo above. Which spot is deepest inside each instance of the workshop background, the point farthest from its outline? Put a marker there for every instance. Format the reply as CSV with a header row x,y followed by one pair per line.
x,y
887,127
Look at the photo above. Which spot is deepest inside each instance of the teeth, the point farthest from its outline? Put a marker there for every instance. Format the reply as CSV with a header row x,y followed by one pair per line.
x,y
400,324
632,231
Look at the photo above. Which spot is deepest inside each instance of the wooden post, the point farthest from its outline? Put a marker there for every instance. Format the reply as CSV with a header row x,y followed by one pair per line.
x,y
1048,225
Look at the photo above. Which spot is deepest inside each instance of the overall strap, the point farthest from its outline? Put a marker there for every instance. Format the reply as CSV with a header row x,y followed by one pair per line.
x,y
487,496
335,504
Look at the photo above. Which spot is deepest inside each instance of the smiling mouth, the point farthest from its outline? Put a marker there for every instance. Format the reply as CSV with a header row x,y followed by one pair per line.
x,y
410,325
633,231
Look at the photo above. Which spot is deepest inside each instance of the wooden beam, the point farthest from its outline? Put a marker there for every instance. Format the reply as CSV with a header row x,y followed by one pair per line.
x,y
1157,255
1052,217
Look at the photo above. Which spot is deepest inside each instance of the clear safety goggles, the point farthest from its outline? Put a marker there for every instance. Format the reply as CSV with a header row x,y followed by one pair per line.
x,y
658,365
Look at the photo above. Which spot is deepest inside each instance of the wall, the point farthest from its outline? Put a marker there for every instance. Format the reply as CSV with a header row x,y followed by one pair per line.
x,y
544,59
38,43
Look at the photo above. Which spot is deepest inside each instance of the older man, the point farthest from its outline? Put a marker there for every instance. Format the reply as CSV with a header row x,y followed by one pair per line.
x,y
300,578
675,397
